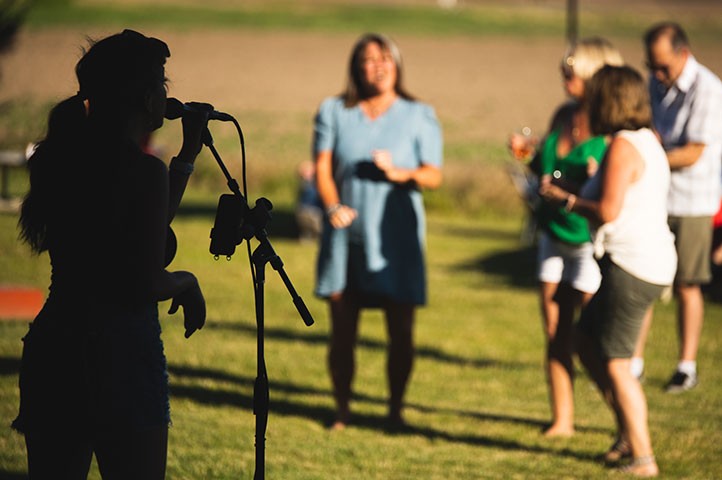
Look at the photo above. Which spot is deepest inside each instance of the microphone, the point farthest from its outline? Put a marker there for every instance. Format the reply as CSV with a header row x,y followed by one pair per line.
x,y
174,108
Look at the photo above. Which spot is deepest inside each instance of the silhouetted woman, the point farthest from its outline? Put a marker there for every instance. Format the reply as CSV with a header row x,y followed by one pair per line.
x,y
93,376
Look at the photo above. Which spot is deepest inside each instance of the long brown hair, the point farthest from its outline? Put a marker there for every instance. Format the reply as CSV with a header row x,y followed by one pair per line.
x,y
354,85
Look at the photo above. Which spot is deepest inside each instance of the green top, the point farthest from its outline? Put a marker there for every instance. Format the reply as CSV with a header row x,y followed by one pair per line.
x,y
562,225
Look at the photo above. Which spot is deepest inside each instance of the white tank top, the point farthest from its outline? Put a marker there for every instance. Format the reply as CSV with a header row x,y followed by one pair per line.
x,y
639,239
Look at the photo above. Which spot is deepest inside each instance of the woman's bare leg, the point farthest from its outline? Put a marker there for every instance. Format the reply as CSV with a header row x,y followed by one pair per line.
x,y
400,326
558,313
632,408
341,353
138,454
58,455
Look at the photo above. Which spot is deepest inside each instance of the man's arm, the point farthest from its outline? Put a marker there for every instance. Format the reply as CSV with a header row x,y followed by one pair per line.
x,y
685,156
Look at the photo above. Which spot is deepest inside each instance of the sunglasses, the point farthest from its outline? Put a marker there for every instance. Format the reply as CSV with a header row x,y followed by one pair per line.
x,y
664,69
567,72
567,67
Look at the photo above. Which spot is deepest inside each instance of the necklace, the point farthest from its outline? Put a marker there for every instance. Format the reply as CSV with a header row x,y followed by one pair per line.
x,y
575,134
579,126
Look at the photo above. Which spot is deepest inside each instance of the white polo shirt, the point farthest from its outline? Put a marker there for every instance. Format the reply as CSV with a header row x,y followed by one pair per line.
x,y
691,111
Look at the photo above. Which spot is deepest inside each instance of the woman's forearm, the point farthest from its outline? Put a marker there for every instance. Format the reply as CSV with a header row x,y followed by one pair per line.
x,y
585,207
426,176
179,172
324,180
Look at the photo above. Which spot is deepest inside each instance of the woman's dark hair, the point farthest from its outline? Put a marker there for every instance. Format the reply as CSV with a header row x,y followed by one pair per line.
x,y
354,84
618,100
118,70
114,76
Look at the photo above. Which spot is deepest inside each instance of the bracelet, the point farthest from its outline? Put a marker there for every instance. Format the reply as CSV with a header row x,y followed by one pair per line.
x,y
333,209
569,202
184,168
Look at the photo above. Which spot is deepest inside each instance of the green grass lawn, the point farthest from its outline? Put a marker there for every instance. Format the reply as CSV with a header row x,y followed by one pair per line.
x,y
477,400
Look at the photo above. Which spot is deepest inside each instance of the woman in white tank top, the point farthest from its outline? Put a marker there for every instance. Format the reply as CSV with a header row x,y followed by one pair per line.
x,y
643,214
626,202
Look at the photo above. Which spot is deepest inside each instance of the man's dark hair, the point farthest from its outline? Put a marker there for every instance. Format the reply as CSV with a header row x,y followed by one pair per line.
x,y
673,30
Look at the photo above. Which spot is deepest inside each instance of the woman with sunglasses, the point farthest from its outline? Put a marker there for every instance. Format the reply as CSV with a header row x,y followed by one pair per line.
x,y
568,274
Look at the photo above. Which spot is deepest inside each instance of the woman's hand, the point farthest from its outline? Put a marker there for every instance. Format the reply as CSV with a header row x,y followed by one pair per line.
x,y
592,166
425,176
195,121
194,308
553,194
383,161
341,216
522,147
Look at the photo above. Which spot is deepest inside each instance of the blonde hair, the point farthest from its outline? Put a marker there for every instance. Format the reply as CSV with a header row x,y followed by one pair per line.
x,y
589,55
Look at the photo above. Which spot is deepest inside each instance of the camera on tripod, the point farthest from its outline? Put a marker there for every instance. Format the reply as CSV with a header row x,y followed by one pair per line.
x,y
236,222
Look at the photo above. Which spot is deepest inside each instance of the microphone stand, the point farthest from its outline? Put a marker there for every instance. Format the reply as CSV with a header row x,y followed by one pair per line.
x,y
258,218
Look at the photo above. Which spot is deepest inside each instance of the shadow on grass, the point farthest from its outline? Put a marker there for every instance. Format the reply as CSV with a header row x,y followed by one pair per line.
x,y
431,433
282,224
243,399
485,441
516,267
497,417
6,475
423,352
473,231
9,366
325,414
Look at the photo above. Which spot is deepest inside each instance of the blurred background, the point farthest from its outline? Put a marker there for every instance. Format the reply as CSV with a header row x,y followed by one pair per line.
x,y
488,67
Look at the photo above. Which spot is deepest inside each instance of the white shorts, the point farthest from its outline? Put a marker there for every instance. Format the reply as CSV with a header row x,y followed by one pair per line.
x,y
575,264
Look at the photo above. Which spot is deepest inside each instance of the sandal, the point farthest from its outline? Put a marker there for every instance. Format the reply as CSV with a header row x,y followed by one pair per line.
x,y
641,467
620,450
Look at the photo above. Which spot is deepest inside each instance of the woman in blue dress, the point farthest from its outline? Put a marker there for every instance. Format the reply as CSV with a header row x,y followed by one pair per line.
x,y
375,148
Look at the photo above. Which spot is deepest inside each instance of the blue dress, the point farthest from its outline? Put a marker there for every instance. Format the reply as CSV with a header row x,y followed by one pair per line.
x,y
381,252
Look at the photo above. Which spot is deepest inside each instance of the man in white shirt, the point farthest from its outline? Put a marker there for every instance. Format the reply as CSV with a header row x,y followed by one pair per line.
x,y
687,109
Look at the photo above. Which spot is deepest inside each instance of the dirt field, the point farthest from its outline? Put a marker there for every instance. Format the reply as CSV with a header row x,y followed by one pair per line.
x,y
481,87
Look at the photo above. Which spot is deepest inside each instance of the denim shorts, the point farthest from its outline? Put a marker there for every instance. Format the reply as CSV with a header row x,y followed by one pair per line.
x,y
93,372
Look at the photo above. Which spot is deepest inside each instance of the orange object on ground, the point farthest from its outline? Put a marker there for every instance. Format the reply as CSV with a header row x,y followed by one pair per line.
x,y
20,303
